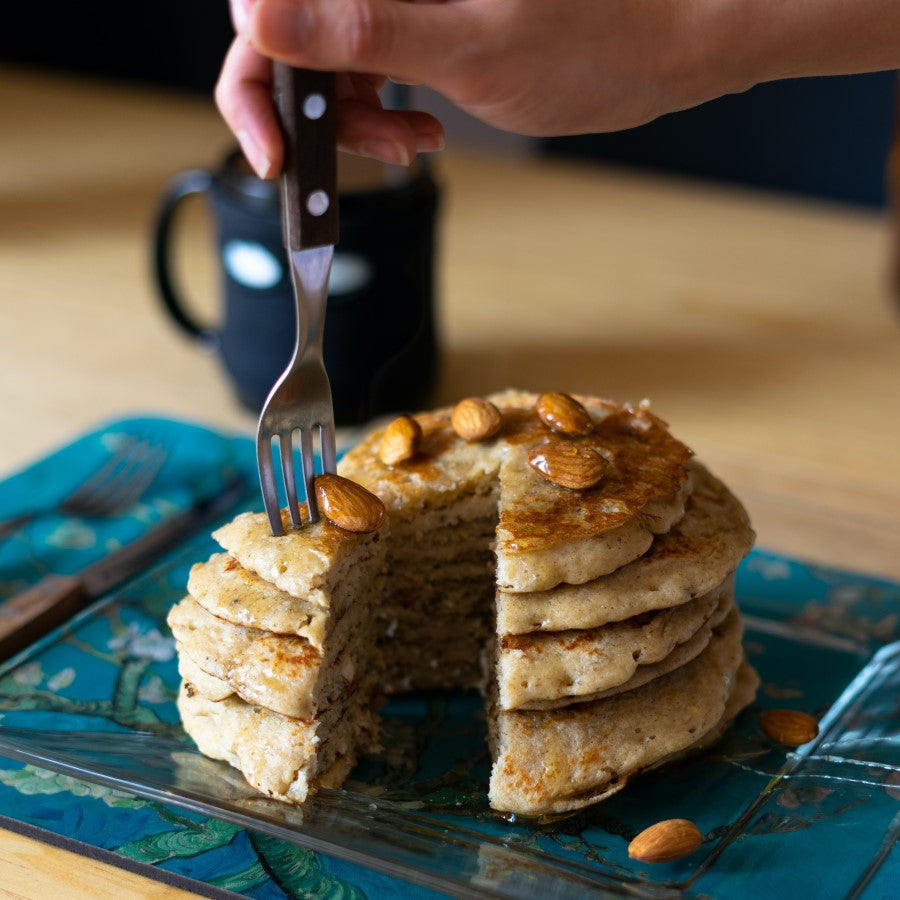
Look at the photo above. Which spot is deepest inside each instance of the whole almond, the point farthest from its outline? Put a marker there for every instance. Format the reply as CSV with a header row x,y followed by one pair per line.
x,y
476,419
400,441
568,464
564,414
348,504
665,841
790,727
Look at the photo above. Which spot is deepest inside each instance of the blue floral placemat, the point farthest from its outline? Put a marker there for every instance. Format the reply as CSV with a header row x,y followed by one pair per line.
x,y
827,822
204,851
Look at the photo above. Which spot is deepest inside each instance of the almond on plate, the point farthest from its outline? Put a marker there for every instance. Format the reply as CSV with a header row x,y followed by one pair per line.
x,y
790,727
665,841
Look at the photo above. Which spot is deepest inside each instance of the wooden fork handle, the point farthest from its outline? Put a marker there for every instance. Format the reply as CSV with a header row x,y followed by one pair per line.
x,y
306,106
31,614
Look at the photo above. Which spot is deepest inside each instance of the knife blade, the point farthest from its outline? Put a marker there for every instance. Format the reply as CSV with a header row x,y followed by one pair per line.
x,y
55,598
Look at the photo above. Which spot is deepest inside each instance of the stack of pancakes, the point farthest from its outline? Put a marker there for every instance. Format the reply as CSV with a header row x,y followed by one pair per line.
x,y
277,654
599,622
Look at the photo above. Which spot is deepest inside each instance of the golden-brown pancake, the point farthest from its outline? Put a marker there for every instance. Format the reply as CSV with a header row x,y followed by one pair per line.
x,y
559,760
543,668
599,621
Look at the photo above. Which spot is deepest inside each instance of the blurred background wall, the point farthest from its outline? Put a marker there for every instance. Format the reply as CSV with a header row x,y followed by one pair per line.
x,y
826,137
822,136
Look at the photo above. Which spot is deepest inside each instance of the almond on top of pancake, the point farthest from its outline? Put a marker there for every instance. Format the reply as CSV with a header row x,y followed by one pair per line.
x,y
546,534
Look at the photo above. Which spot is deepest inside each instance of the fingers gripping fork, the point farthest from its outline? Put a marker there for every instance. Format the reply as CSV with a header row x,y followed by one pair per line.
x,y
301,399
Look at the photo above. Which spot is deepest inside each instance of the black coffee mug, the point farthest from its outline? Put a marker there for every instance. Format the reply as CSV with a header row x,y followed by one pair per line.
x,y
380,341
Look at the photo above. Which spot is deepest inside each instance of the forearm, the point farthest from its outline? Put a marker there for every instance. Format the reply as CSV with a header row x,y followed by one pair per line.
x,y
776,39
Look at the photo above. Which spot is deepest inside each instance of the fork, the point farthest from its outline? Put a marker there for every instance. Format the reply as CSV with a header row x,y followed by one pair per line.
x,y
300,401
110,490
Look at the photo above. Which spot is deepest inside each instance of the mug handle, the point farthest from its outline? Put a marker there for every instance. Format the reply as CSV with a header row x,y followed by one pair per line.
x,y
187,184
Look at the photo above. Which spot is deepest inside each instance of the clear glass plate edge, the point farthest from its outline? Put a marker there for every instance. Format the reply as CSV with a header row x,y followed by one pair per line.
x,y
546,877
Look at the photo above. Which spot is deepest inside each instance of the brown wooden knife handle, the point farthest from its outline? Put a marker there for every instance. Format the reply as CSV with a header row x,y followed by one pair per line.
x,y
31,614
306,102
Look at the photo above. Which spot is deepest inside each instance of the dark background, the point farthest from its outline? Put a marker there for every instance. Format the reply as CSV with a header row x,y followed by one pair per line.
x,y
827,137
174,43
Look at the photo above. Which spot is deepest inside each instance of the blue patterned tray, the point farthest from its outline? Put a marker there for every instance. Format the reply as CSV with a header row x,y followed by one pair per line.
x,y
88,716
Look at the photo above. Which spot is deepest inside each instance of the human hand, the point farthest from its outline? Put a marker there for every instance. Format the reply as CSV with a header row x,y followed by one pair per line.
x,y
533,66
536,68
244,97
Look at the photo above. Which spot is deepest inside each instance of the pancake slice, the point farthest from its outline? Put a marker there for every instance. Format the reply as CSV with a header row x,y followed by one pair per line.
x,y
680,656
546,534
582,549
292,710
542,668
309,562
283,673
560,760
281,756
223,587
212,688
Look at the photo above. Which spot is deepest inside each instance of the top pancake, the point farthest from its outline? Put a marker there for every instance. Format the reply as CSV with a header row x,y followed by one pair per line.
x,y
308,562
223,587
689,560
546,534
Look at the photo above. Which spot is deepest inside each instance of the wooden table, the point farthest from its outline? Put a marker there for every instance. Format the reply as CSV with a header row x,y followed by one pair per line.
x,y
762,328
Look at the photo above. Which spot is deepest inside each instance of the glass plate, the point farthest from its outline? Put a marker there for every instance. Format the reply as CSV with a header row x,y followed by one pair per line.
x,y
95,700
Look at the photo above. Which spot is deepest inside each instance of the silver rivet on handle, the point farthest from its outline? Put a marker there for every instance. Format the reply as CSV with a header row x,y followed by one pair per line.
x,y
314,106
317,203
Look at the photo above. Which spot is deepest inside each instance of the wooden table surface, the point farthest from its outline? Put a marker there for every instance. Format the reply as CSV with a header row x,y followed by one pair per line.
x,y
763,328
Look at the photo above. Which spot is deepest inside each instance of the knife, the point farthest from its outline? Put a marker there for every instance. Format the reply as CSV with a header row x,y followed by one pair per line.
x,y
31,614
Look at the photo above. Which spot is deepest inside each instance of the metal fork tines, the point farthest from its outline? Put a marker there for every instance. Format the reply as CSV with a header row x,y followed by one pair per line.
x,y
301,399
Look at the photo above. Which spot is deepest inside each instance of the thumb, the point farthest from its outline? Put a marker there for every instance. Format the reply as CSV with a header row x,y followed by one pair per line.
x,y
406,41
